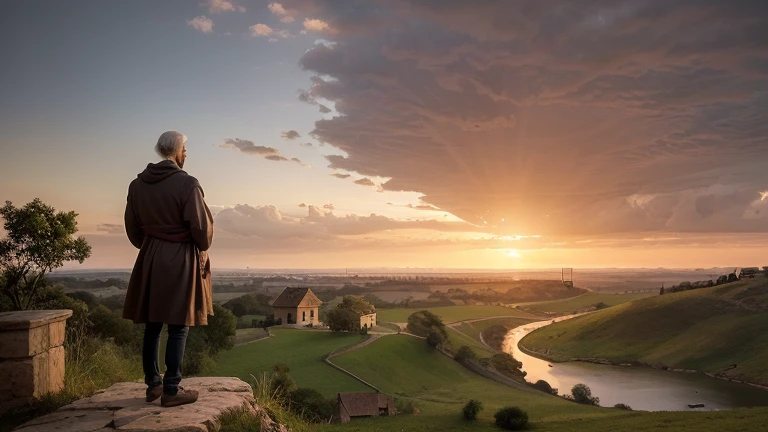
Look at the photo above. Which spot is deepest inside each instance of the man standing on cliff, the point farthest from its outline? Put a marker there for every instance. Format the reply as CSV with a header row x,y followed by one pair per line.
x,y
167,219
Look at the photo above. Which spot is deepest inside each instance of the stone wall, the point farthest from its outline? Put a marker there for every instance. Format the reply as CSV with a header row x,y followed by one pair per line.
x,y
31,355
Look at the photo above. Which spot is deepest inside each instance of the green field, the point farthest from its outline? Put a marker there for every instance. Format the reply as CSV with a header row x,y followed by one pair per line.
x,y
451,314
469,333
249,335
408,369
566,306
708,329
301,350
457,338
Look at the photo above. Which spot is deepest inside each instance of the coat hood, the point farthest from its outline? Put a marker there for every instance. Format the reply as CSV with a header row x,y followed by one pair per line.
x,y
157,172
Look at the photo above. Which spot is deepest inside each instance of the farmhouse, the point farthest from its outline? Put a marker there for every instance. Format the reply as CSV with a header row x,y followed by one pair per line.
x,y
364,405
297,306
368,321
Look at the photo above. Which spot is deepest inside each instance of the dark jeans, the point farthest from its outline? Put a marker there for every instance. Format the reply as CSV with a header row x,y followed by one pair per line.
x,y
174,355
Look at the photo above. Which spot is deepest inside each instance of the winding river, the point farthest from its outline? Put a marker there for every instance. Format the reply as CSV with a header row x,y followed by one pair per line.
x,y
641,388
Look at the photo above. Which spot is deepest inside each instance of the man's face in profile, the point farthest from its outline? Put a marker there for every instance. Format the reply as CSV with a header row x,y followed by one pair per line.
x,y
181,157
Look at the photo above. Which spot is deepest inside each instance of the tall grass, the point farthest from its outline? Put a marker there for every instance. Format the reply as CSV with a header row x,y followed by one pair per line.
x,y
90,364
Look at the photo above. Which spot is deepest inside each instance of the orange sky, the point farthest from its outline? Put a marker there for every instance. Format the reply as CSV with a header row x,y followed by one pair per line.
x,y
413,134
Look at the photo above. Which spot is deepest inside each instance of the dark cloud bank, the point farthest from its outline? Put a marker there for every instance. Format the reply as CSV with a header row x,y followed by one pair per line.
x,y
557,117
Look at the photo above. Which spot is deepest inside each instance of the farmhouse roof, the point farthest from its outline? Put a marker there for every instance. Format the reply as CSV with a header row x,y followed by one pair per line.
x,y
363,404
293,297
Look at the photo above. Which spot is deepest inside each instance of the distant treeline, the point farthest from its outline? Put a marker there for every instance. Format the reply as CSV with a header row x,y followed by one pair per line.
x,y
76,283
686,285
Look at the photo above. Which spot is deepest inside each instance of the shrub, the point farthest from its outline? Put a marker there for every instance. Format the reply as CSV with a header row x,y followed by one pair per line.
x,y
471,409
310,405
623,406
421,323
435,339
405,407
494,336
545,387
511,418
465,353
506,364
583,395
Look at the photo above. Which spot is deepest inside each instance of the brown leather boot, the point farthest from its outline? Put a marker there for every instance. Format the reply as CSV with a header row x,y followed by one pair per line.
x,y
154,392
183,397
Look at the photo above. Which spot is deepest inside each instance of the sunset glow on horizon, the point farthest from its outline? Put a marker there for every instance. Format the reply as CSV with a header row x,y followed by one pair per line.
x,y
488,135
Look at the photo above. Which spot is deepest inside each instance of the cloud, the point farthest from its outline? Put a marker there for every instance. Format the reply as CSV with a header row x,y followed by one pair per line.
x,y
365,182
290,135
315,25
566,119
248,147
219,6
269,223
341,176
307,144
260,30
111,228
202,23
324,109
278,10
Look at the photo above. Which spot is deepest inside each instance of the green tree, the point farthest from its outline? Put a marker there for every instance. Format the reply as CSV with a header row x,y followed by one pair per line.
x,y
422,322
220,331
435,338
340,319
545,387
357,305
472,409
465,353
38,240
511,418
583,394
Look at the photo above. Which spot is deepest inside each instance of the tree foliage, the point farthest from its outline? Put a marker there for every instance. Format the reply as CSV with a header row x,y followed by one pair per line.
x,y
346,315
472,409
508,365
465,353
421,323
357,305
339,319
545,387
435,338
38,240
250,304
583,394
310,405
511,418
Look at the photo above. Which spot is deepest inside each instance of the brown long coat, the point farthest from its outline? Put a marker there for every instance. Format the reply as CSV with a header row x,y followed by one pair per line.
x,y
167,219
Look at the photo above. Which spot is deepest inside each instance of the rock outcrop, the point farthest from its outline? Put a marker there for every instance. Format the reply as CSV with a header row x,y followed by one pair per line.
x,y
122,407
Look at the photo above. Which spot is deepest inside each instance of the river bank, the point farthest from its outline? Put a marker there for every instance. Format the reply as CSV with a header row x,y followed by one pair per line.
x,y
639,386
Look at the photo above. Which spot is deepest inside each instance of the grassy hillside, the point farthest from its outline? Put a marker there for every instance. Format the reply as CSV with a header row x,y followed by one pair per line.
x,y
707,329
451,314
567,306
301,350
407,368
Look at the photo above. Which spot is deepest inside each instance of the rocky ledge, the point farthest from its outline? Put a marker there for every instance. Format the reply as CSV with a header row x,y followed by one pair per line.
x,y
122,407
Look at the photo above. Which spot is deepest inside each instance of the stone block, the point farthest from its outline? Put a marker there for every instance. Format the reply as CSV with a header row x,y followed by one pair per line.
x,y
56,369
17,379
122,407
56,333
41,378
24,343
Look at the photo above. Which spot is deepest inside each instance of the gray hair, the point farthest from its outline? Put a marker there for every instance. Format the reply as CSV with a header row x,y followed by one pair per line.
x,y
170,143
